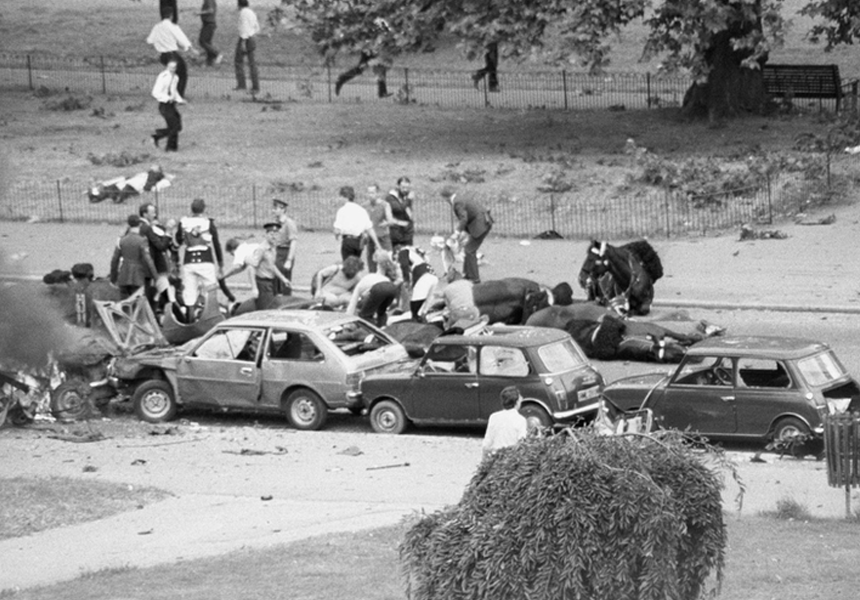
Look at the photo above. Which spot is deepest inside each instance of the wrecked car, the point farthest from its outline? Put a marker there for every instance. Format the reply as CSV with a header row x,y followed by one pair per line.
x,y
459,379
745,388
300,363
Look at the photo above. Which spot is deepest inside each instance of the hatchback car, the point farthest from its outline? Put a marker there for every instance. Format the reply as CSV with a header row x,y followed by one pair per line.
x,y
459,379
301,363
744,388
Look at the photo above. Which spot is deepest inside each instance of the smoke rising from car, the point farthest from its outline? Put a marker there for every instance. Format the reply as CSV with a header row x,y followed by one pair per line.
x,y
30,328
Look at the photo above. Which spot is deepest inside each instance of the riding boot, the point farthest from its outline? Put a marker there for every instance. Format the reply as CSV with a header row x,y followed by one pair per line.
x,y
346,76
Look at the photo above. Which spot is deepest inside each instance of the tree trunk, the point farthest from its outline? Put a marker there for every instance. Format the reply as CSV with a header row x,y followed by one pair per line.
x,y
731,90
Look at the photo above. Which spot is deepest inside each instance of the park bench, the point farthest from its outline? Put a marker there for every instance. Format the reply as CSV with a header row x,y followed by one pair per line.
x,y
803,81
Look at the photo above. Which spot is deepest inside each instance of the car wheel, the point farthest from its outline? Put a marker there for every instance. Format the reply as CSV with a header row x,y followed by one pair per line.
x,y
789,429
387,417
536,416
154,402
70,401
306,410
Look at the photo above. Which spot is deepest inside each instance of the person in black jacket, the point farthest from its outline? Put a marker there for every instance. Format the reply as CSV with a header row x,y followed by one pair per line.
x,y
159,292
473,225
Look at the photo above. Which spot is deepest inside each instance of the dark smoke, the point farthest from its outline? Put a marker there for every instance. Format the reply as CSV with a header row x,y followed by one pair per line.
x,y
30,328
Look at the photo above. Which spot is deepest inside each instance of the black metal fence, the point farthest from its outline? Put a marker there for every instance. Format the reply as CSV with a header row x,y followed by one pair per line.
x,y
658,213
564,90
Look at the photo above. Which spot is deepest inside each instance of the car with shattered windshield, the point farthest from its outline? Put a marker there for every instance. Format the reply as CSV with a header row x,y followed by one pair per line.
x,y
299,363
745,388
460,377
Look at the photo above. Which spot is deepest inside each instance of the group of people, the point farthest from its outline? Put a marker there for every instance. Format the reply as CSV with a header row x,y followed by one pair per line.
x,y
170,42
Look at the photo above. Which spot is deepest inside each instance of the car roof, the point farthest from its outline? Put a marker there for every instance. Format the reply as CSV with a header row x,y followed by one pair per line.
x,y
761,346
310,319
514,336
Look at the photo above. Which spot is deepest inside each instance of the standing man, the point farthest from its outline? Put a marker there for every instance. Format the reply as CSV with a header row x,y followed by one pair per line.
x,y
198,235
505,427
473,225
159,249
351,225
166,91
131,265
266,272
286,246
168,39
249,27
402,231
207,32
381,217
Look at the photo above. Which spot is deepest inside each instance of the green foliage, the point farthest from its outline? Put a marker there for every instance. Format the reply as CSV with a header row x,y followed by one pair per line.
x,y
842,21
575,516
789,509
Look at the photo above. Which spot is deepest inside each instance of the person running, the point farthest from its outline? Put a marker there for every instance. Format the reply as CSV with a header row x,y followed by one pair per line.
x,y
168,39
208,25
246,47
166,91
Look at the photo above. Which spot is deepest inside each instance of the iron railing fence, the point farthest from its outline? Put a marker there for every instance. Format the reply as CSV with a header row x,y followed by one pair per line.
x,y
659,213
561,89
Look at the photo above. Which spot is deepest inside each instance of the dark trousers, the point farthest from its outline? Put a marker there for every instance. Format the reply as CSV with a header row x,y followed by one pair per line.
x,y
207,32
281,254
491,62
266,293
181,69
174,124
350,245
246,48
376,303
470,257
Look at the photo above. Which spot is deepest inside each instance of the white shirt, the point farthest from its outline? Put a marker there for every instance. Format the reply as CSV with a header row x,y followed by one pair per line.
x,y
505,428
166,36
362,287
248,24
164,89
243,257
352,219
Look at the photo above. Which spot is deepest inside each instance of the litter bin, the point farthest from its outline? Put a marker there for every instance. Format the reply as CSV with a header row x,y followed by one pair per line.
x,y
842,450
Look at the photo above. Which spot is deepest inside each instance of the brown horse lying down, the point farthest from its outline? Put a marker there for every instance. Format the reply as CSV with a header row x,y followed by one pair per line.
x,y
603,335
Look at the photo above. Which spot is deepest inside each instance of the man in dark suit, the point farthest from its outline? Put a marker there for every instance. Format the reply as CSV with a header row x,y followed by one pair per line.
x,y
132,264
473,225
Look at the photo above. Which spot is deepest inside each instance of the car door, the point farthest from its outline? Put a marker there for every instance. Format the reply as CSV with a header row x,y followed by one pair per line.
x,y
701,398
294,358
765,390
445,386
499,367
223,370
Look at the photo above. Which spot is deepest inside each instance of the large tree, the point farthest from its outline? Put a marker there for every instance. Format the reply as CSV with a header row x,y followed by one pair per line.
x,y
721,43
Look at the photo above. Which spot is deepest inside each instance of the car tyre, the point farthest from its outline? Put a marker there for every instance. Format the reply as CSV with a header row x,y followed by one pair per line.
x,y
306,410
154,402
788,428
387,417
536,416
70,401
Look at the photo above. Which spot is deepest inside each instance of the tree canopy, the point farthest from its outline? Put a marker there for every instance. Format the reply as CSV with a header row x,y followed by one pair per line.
x,y
712,40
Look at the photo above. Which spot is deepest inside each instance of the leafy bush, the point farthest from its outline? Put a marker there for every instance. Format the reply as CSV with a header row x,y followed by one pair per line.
x,y
123,159
574,516
789,509
69,103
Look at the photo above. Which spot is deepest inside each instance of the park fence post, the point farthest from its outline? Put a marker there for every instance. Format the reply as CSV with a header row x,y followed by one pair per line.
x,y
406,83
30,72
769,199
648,89
254,204
104,81
564,86
552,212
328,77
60,200
666,213
486,93
854,97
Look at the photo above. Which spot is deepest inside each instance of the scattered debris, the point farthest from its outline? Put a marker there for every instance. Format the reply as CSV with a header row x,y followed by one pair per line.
x,y
266,498
147,532
90,469
80,437
394,466
138,462
167,430
828,220
351,451
748,233
251,452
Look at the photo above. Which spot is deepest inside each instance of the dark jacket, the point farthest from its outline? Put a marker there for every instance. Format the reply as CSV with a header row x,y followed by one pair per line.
x,y
159,245
132,264
472,217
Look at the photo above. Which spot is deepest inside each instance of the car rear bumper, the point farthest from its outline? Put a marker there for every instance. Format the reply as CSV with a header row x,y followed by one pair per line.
x,y
579,411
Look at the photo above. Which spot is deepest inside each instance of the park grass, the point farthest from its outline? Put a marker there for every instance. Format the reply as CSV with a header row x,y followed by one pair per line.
x,y
766,558
29,504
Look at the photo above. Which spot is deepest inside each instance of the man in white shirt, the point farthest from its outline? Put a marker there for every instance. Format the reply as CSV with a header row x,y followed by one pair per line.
x,y
166,91
507,426
352,226
249,27
168,39
243,254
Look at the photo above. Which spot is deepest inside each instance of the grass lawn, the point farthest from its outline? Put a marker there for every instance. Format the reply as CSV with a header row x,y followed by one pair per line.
x,y
767,558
